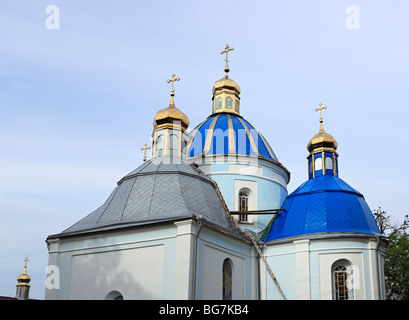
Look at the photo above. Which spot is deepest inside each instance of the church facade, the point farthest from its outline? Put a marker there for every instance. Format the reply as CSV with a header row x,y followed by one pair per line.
x,y
209,217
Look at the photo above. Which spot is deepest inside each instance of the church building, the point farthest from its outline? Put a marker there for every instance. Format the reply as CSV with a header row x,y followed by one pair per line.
x,y
209,217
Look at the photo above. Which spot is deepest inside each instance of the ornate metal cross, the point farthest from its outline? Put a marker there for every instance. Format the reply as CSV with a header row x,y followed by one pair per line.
x,y
173,82
144,151
226,51
320,109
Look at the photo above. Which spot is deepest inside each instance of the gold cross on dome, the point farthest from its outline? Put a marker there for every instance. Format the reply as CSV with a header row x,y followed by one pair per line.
x,y
25,262
173,83
144,151
226,51
320,109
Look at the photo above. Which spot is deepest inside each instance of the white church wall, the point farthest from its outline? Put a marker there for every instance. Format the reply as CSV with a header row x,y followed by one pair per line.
x,y
212,274
281,259
137,256
303,267
356,250
214,249
135,273
326,260
153,262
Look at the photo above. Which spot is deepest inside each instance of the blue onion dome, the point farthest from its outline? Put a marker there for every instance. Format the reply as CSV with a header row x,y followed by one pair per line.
x,y
226,132
324,203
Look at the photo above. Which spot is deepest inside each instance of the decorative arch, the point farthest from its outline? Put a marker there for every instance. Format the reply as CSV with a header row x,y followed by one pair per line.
x,y
342,280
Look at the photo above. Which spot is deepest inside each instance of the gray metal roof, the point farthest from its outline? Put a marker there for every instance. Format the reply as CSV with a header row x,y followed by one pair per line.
x,y
159,190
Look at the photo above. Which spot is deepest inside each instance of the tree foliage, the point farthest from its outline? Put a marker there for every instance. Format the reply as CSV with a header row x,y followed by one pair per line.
x,y
397,255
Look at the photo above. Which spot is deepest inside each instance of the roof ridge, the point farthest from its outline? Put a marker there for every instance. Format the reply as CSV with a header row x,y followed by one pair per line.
x,y
229,216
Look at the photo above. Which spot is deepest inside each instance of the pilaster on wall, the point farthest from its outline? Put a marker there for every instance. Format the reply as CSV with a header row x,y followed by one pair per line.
x,y
302,269
186,231
53,257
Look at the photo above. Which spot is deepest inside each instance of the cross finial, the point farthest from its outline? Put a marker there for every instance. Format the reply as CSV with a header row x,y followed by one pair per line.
x,y
172,93
144,151
321,119
25,262
226,51
173,83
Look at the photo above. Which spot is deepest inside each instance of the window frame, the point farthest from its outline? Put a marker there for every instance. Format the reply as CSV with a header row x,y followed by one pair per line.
x,y
227,279
243,195
342,279
229,103
318,164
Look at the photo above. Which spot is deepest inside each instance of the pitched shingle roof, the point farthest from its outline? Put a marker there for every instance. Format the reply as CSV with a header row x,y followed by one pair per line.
x,y
162,189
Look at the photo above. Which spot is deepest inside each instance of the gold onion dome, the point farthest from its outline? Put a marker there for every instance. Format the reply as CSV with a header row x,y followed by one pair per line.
x,y
168,116
226,91
226,83
322,139
24,277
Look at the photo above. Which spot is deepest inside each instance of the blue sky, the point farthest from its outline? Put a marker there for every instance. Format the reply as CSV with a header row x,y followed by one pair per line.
x,y
77,103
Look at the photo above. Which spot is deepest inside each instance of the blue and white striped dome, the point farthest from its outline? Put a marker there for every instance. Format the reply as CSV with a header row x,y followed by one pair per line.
x,y
227,134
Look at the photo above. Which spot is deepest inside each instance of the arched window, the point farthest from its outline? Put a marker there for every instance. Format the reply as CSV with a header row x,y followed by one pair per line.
x,y
229,103
219,103
114,295
184,144
174,144
243,204
227,279
318,164
342,281
236,106
328,163
160,144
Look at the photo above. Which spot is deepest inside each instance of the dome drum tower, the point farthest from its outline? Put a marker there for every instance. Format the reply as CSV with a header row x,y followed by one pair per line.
x,y
323,159
169,135
238,157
